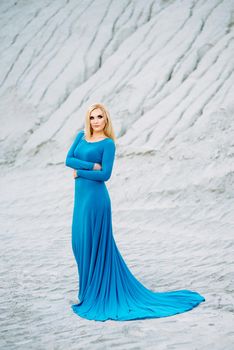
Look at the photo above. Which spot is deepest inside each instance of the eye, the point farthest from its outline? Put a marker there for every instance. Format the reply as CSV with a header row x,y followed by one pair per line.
x,y
100,116
91,117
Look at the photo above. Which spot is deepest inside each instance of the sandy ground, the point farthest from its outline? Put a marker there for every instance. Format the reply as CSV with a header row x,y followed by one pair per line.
x,y
166,244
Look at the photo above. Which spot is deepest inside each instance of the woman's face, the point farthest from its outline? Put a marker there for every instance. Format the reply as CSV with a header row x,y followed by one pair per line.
x,y
97,120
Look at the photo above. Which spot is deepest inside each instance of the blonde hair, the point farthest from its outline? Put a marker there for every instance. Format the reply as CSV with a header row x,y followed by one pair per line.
x,y
108,129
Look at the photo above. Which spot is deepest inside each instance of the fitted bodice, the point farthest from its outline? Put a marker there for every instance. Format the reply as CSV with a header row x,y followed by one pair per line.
x,y
90,151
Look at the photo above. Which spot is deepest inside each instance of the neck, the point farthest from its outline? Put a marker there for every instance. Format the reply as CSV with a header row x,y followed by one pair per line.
x,y
98,134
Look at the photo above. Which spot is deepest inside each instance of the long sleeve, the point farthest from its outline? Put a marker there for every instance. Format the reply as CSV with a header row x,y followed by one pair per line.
x,y
74,162
107,164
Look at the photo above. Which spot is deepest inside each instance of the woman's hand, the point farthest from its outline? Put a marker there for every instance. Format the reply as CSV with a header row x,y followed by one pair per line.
x,y
97,166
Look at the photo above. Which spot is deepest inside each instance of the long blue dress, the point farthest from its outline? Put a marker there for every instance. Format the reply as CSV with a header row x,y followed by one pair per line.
x,y
107,288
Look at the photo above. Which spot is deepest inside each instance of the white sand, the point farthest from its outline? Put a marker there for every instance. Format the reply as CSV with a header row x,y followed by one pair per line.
x,y
168,242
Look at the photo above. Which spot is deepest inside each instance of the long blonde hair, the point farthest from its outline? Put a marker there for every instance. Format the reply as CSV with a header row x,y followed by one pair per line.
x,y
108,129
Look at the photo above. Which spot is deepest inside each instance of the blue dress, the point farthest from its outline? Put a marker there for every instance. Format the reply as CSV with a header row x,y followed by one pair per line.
x,y
107,288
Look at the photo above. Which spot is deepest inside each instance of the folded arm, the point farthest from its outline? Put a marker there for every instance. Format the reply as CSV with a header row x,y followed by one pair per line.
x,y
74,162
107,164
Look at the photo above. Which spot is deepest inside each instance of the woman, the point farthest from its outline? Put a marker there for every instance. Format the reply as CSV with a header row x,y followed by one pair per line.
x,y
107,288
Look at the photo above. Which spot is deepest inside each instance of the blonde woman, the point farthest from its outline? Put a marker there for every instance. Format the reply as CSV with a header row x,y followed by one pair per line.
x,y
107,288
